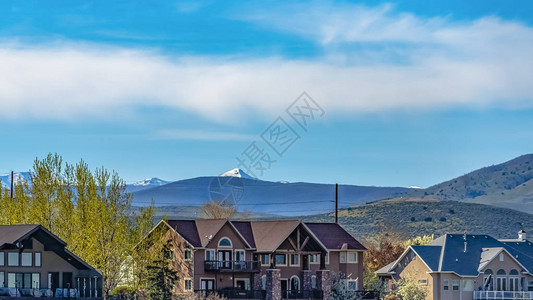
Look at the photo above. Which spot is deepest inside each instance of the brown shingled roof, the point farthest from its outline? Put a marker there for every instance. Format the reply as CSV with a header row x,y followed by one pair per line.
x,y
270,234
9,234
333,236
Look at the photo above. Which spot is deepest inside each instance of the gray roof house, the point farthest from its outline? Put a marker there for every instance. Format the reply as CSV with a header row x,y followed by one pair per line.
x,y
461,266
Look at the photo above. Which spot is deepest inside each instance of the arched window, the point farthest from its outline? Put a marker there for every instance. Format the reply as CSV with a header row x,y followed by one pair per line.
x,y
488,272
224,242
501,272
264,282
514,272
295,283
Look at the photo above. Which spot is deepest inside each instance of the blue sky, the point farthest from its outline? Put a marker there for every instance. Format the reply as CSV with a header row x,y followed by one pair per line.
x,y
414,92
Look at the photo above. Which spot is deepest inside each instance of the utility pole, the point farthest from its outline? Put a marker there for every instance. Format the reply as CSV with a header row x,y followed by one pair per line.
x,y
11,191
336,203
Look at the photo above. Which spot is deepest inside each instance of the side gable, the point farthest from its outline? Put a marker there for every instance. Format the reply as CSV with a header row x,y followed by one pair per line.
x,y
509,261
229,231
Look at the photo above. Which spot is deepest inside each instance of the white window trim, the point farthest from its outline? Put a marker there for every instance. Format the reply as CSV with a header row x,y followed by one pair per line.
x,y
446,282
352,261
456,283
299,283
317,262
184,256
241,251
185,284
286,261
290,260
517,281
422,282
225,247
261,259
210,250
348,285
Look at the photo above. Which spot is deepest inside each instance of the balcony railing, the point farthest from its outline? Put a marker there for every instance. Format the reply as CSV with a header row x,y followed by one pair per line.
x,y
502,295
302,294
235,294
232,266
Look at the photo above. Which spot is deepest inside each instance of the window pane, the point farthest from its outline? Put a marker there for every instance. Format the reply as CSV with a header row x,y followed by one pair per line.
x,y
281,259
294,259
352,285
2,258
225,243
37,259
11,279
209,254
26,259
265,259
2,280
313,282
352,256
13,259
35,281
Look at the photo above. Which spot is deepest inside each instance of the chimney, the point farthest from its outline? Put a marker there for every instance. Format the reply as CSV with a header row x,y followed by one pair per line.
x,y
522,235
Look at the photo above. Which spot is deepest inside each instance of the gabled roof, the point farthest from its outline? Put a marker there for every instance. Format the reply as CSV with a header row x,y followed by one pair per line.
x,y
13,236
334,237
265,236
270,234
447,254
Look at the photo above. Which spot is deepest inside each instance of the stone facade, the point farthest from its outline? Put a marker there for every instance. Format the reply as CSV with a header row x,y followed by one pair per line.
x,y
306,278
323,282
258,282
273,285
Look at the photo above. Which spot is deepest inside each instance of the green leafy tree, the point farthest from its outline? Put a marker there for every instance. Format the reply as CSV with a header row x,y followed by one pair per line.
x,y
408,288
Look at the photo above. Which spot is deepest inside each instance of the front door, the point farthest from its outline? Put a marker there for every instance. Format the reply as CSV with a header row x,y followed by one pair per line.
x,y
67,280
284,288
207,285
224,259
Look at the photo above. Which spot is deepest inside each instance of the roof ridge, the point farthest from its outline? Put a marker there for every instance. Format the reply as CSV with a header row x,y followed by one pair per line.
x,y
441,258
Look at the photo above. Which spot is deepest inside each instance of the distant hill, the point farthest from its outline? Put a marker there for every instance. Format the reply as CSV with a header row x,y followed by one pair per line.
x,y
264,197
509,185
145,184
414,217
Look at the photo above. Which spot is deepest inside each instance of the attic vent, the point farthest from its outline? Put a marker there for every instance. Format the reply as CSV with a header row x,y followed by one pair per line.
x,y
456,260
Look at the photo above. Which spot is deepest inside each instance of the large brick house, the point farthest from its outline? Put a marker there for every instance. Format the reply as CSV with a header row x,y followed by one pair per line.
x,y
258,259
34,262
466,267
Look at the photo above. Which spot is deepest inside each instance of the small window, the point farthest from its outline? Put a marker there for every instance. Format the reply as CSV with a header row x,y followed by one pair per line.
x,y
342,257
26,259
352,257
35,281
188,284
314,258
12,259
239,255
501,272
351,285
295,260
455,285
264,282
313,281
224,242
265,259
187,254
209,254
514,272
501,256
446,285
423,282
281,259
2,261
37,258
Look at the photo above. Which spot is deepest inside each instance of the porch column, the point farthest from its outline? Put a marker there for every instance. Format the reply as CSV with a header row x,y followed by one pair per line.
x,y
307,283
258,282
273,285
323,282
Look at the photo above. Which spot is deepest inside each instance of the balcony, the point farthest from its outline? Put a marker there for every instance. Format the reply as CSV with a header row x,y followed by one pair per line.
x,y
502,295
232,266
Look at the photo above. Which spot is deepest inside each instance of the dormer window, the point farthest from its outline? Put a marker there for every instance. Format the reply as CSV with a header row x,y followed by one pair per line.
x,y
224,242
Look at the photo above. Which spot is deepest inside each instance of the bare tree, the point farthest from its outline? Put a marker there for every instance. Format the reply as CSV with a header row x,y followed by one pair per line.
x,y
217,209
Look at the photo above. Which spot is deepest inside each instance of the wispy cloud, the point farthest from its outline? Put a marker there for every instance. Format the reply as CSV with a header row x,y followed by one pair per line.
x,y
200,135
484,62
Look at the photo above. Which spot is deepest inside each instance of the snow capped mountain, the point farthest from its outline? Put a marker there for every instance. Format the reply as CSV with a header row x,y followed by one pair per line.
x,y
237,173
17,177
151,182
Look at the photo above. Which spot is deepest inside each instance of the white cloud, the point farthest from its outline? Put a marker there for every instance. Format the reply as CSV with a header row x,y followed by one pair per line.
x,y
484,62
